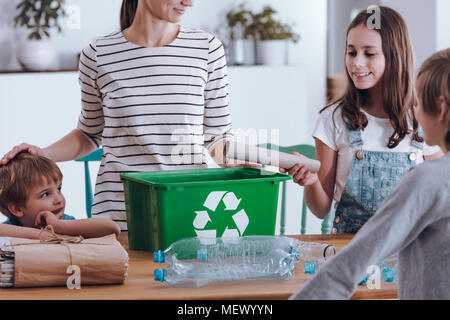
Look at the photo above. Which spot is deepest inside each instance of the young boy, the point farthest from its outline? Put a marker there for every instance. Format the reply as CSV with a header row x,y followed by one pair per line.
x,y
31,198
414,220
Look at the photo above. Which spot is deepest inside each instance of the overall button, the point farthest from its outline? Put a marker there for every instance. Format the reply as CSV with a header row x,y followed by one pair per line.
x,y
412,156
360,155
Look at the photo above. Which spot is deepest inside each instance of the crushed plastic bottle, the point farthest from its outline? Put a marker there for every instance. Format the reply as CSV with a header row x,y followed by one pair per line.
x,y
277,264
247,249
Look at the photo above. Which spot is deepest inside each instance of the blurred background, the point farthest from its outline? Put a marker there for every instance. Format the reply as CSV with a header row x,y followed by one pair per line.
x,y
276,86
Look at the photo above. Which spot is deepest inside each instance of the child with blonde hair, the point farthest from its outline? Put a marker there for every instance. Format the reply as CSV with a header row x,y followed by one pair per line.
x,y
31,198
414,220
369,139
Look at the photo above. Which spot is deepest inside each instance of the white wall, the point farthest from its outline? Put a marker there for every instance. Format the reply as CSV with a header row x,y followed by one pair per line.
x,y
442,24
420,17
98,17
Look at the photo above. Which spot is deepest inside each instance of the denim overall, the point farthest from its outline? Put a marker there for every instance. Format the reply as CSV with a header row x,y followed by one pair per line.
x,y
373,176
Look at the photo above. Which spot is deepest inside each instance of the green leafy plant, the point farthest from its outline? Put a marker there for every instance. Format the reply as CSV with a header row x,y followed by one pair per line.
x,y
265,27
238,22
40,16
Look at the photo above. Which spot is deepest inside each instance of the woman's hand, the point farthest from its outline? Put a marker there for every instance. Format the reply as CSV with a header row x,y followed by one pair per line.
x,y
300,174
19,148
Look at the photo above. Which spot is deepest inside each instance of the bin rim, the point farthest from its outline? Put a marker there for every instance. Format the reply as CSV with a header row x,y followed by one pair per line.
x,y
271,176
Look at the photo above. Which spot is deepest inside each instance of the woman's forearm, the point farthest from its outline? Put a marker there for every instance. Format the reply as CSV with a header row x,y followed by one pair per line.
x,y
72,146
317,200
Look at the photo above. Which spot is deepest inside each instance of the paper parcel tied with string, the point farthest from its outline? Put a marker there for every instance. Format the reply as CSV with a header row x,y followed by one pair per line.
x,y
100,261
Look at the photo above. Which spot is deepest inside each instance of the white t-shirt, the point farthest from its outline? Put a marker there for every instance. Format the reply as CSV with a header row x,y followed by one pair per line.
x,y
375,138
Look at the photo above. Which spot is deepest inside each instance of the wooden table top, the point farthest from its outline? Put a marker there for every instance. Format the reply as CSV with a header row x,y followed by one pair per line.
x,y
140,284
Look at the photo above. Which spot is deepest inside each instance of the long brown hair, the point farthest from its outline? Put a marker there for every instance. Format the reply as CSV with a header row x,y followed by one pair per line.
x,y
398,92
433,82
127,13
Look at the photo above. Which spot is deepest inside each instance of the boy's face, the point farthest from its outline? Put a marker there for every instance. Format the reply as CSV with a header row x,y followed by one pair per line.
x,y
46,196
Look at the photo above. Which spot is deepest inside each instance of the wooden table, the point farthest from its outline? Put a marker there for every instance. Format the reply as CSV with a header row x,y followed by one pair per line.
x,y
140,284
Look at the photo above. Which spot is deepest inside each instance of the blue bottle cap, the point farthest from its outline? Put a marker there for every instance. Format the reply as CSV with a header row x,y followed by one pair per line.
x,y
309,267
158,256
159,275
201,254
388,274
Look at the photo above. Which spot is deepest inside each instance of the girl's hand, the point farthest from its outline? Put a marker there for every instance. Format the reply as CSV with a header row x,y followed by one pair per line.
x,y
301,175
45,218
19,148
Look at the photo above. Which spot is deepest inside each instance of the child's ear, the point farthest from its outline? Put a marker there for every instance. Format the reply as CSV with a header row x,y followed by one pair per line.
x,y
15,210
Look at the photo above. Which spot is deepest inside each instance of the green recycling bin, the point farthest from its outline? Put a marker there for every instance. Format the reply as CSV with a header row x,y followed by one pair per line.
x,y
165,206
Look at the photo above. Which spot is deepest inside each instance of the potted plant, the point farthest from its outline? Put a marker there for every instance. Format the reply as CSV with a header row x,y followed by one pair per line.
x,y
38,16
242,41
272,37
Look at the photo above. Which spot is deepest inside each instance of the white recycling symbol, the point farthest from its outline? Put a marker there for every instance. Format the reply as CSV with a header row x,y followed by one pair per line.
x,y
231,203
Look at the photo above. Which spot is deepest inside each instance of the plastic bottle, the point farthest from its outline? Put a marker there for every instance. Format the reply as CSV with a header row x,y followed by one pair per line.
x,y
277,264
247,249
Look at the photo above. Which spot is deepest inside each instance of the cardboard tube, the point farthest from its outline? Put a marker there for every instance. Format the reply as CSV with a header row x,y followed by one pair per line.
x,y
245,152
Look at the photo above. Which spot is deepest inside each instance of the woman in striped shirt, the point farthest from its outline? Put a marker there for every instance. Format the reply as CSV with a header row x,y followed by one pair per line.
x,y
154,96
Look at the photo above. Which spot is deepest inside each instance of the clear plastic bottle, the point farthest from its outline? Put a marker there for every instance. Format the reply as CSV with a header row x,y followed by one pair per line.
x,y
277,264
247,249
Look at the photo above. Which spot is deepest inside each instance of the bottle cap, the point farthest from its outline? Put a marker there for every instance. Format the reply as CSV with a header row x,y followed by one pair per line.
x,y
388,274
158,256
329,251
309,267
159,275
201,254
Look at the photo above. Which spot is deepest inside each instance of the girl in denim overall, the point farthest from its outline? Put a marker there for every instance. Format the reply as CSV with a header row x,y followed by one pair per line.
x,y
378,104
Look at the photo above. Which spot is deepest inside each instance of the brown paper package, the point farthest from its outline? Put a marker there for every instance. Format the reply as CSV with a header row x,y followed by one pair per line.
x,y
101,261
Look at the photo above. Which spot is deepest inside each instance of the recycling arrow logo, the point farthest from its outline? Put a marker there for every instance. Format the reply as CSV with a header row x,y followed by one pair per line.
x,y
231,205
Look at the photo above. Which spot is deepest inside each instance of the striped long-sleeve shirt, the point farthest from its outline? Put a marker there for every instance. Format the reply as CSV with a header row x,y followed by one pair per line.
x,y
151,108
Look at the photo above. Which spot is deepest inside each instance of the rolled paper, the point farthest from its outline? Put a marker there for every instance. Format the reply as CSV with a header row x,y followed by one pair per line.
x,y
244,152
